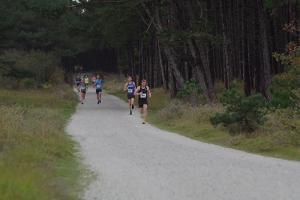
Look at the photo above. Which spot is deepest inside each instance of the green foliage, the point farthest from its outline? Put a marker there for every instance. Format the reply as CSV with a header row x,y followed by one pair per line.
x,y
246,112
285,86
36,66
28,83
189,88
43,25
191,93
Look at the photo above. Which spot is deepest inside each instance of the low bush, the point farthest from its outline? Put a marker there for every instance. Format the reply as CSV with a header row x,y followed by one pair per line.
x,y
191,93
28,83
30,67
246,112
284,126
285,86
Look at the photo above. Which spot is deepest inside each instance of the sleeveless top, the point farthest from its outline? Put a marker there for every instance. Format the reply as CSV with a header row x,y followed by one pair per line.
x,y
82,87
130,87
144,93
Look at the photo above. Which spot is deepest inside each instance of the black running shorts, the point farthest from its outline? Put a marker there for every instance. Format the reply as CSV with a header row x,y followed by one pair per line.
x,y
142,102
98,91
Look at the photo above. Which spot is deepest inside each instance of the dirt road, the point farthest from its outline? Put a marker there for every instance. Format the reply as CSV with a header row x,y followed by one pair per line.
x,y
140,162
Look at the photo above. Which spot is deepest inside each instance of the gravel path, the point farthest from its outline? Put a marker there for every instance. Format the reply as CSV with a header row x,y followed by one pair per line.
x,y
140,162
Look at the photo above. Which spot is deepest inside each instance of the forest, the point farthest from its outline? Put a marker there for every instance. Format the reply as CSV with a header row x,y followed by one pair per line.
x,y
168,42
197,44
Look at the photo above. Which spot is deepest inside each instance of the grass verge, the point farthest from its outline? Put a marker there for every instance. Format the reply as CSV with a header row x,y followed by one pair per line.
x,y
279,137
37,158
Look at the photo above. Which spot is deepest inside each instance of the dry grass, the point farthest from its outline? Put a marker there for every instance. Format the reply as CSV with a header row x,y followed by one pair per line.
x,y
37,158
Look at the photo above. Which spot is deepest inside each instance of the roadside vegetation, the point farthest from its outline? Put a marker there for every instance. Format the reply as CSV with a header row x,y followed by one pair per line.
x,y
38,160
246,123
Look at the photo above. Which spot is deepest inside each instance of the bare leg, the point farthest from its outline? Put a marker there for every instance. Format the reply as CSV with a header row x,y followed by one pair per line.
x,y
145,112
132,103
142,113
129,104
82,97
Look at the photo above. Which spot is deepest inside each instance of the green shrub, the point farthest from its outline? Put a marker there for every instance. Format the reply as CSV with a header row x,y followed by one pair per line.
x,y
247,112
28,83
191,93
285,86
36,65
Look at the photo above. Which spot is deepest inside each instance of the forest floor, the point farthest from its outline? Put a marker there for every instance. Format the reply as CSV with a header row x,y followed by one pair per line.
x,y
275,138
38,160
133,161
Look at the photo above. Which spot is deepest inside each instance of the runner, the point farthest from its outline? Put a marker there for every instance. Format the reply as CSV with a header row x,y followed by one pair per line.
x,y
98,85
77,82
93,80
144,93
83,90
86,81
130,88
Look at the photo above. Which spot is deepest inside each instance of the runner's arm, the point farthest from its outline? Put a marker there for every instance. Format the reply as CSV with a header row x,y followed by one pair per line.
x,y
136,92
149,92
125,87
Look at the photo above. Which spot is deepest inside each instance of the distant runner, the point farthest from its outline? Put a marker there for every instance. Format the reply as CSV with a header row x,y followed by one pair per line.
x,y
94,80
86,81
83,90
98,85
144,93
130,88
77,82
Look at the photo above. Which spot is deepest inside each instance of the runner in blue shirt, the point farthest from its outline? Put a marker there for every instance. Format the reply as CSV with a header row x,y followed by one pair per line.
x,y
98,86
130,88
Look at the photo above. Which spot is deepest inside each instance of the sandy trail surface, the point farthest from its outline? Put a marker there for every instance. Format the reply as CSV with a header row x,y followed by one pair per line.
x,y
140,162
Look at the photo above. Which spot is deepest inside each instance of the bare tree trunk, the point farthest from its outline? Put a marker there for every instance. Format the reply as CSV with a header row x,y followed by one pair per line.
x,y
265,72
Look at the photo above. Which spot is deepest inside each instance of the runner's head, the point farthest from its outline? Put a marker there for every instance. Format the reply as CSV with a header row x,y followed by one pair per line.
x,y
129,78
144,82
98,77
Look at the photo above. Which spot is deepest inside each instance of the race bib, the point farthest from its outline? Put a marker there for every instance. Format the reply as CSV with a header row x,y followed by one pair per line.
x,y
143,95
130,91
98,86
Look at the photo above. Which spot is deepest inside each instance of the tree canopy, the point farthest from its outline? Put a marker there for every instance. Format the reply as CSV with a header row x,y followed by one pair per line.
x,y
168,42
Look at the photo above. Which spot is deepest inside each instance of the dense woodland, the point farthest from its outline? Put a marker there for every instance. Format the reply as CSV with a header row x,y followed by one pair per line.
x,y
168,42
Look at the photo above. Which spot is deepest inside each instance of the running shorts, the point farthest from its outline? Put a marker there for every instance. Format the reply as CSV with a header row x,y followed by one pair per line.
x,y
142,102
130,96
98,90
